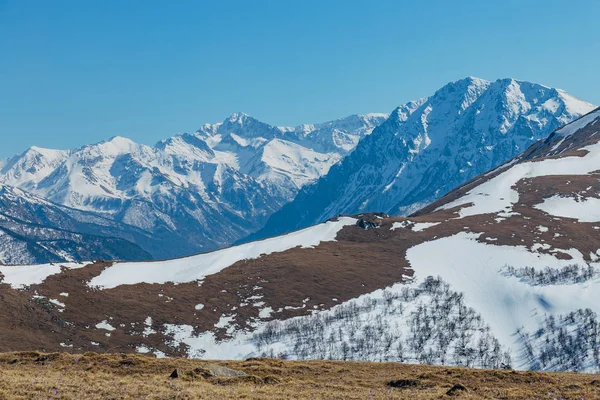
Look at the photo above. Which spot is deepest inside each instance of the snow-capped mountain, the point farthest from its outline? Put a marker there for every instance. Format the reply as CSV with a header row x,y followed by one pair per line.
x,y
464,129
503,271
192,192
33,230
285,158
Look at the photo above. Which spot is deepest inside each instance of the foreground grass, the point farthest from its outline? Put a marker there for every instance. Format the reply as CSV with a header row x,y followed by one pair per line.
x,y
34,375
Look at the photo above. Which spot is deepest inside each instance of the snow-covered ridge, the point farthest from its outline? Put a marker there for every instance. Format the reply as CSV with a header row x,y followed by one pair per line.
x,y
505,302
497,195
581,123
187,269
197,267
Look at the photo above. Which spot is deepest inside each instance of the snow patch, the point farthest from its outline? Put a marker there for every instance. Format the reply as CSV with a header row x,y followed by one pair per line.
x,y
584,210
20,276
420,226
105,325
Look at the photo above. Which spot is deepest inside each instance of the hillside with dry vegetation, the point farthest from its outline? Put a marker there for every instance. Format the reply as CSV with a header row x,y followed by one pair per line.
x,y
33,375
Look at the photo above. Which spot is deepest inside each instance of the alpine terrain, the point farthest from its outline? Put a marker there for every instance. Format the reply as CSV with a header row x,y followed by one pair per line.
x,y
192,192
33,230
503,271
427,148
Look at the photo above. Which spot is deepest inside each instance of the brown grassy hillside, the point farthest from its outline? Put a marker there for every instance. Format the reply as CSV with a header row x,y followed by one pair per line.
x,y
35,375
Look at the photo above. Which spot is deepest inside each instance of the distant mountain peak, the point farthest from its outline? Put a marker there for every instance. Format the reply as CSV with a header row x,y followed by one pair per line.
x,y
238,117
119,141
45,152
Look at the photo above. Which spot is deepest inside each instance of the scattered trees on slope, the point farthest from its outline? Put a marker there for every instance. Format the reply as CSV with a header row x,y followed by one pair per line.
x,y
430,324
570,274
564,343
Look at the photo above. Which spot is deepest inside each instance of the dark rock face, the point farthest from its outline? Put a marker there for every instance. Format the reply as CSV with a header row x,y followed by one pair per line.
x,y
404,383
456,390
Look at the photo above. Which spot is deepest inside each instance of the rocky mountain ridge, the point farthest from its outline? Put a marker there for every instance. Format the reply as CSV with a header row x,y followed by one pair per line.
x,y
415,157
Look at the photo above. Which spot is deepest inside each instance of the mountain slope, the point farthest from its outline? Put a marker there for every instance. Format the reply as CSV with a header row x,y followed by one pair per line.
x,y
33,230
199,191
503,271
464,129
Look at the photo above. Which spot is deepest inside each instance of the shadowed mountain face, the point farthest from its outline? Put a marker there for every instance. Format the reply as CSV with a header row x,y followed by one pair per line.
x,y
33,230
426,149
502,271
191,192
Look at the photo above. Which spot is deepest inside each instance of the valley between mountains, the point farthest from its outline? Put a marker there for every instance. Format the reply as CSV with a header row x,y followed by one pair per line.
x,y
501,272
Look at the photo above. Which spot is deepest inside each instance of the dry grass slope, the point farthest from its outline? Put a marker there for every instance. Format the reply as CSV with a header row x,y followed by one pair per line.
x,y
33,375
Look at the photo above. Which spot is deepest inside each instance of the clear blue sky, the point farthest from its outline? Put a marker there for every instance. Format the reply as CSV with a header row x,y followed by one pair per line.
x,y
80,71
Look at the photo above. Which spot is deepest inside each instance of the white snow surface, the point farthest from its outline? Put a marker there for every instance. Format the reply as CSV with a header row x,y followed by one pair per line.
x,y
420,226
19,276
414,226
57,303
105,325
197,267
584,210
401,224
206,346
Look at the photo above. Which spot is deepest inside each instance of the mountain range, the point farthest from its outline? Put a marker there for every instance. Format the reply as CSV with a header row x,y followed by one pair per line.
x,y
192,192
242,179
501,272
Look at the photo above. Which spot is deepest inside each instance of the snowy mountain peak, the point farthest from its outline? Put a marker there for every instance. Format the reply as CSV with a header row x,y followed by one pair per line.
x,y
463,86
401,113
428,147
48,153
457,96
117,145
239,118
32,165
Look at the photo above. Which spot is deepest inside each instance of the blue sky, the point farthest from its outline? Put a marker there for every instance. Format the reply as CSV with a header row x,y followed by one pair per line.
x,y
77,72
